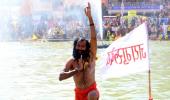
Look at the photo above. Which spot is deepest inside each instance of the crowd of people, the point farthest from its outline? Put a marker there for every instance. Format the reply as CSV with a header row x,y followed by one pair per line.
x,y
53,29
71,25
115,27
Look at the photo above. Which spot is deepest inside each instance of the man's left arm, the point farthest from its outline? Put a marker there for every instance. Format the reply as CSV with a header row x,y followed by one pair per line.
x,y
93,39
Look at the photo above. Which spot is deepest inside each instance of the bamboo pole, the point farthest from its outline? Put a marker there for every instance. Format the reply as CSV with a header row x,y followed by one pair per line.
x,y
149,72
150,94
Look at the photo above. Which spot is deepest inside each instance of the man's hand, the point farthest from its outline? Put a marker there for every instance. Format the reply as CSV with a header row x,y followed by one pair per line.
x,y
87,10
80,65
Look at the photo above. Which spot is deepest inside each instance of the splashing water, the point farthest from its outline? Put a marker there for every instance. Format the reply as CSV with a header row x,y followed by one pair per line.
x,y
68,10
77,12
97,14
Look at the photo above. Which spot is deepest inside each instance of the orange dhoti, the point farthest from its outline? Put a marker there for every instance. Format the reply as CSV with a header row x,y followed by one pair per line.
x,y
82,94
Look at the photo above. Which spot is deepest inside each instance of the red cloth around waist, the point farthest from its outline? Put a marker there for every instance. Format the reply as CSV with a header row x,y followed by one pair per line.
x,y
81,94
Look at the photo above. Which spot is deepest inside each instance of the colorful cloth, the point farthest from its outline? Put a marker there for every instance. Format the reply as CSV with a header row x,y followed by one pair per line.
x,y
82,94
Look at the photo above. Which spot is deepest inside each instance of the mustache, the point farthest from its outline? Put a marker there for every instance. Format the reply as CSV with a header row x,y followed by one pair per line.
x,y
81,50
78,53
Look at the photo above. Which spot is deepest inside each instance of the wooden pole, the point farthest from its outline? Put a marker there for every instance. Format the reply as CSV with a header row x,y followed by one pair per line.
x,y
149,72
150,94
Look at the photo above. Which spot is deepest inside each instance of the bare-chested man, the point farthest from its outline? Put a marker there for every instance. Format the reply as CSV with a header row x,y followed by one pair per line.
x,y
82,65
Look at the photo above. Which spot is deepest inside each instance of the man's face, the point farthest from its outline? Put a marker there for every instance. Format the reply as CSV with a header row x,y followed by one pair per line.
x,y
81,47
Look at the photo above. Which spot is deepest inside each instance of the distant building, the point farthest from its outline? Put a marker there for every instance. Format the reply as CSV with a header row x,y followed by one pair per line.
x,y
142,7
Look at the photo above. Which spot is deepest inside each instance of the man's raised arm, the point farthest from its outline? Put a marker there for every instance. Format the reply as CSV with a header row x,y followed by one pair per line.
x,y
93,39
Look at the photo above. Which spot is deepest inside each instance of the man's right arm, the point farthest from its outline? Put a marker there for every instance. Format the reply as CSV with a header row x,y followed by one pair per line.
x,y
64,75
69,71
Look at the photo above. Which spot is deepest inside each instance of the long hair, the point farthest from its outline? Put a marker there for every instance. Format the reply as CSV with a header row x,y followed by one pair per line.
x,y
85,54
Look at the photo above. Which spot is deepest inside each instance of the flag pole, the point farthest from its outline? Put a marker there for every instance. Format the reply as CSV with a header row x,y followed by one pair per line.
x,y
150,94
149,71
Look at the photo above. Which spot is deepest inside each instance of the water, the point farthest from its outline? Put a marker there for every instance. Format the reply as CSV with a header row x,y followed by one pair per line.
x,y
29,71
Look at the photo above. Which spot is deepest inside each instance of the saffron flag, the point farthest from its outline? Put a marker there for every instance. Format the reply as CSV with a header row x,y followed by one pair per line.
x,y
126,55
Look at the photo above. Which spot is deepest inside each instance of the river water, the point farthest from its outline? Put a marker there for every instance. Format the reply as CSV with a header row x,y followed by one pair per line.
x,y
29,71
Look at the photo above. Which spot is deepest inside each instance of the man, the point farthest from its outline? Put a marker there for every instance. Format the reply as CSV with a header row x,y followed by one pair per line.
x,y
82,65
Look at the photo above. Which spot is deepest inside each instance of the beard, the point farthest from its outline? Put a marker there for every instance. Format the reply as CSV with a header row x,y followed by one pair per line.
x,y
77,54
